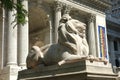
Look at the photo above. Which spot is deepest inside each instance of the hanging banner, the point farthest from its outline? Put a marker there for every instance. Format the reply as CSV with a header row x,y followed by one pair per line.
x,y
102,42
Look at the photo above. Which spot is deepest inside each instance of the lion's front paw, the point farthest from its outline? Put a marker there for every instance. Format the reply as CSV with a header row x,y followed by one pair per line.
x,y
61,62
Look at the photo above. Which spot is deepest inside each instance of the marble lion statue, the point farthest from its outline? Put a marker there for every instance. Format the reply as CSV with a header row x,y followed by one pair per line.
x,y
72,45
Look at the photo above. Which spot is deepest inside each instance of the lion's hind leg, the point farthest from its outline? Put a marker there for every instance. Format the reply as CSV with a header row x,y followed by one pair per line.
x,y
70,58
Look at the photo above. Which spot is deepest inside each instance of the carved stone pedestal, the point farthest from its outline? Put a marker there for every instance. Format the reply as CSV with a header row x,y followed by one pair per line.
x,y
9,73
82,70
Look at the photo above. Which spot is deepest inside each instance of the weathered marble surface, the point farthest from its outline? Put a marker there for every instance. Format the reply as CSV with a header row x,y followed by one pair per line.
x,y
81,70
72,45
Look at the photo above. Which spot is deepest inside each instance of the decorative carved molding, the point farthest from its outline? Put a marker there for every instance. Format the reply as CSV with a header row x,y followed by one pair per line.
x,y
91,18
67,9
96,4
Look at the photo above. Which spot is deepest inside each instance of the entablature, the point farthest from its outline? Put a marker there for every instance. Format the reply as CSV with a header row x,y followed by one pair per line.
x,y
101,5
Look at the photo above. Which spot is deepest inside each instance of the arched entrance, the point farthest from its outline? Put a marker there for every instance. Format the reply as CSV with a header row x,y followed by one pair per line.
x,y
38,27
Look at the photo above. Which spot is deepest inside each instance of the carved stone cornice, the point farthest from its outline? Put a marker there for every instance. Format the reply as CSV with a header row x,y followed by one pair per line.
x,y
101,5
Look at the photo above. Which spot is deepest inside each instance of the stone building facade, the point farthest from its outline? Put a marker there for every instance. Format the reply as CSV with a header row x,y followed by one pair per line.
x,y
115,8
113,28
41,29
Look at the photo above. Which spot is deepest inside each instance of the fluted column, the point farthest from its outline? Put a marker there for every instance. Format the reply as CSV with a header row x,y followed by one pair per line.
x,y
23,40
58,7
11,39
91,35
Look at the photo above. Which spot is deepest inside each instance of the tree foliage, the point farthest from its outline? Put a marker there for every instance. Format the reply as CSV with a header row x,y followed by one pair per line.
x,y
21,12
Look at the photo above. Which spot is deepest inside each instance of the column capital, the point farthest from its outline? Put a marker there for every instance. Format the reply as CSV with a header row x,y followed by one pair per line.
x,y
67,9
91,18
58,6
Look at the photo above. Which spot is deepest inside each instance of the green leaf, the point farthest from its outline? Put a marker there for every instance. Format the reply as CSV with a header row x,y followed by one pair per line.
x,y
21,12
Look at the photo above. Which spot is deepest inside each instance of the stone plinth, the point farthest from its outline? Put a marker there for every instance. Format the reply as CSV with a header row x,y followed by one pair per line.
x,y
82,70
9,73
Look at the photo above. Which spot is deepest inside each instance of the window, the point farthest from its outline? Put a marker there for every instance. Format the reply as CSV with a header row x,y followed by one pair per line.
x,y
115,46
117,62
118,2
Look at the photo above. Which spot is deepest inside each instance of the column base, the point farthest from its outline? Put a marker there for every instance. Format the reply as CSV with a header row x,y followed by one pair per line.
x,y
11,64
23,66
9,72
82,70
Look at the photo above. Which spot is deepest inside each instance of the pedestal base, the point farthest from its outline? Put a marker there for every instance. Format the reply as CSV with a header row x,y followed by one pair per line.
x,y
82,70
9,73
